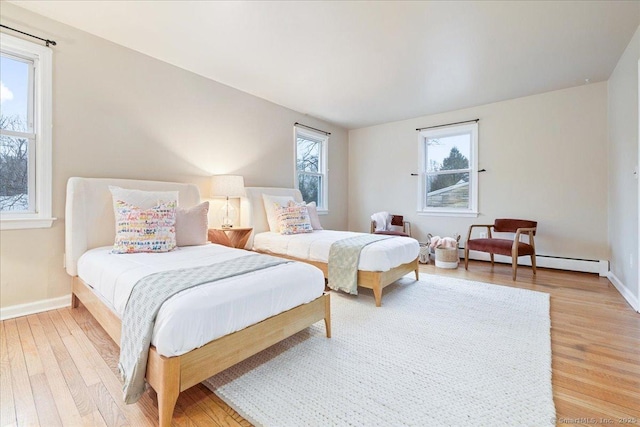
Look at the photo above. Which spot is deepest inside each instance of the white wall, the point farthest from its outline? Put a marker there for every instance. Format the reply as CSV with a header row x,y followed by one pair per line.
x,y
623,185
546,160
118,113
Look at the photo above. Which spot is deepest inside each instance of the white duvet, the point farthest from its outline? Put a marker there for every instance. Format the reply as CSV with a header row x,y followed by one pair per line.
x,y
379,256
201,314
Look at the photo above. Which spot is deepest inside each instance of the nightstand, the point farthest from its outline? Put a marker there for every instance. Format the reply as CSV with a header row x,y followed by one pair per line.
x,y
232,237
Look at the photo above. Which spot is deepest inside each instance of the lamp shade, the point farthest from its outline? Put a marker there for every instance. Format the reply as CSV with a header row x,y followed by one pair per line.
x,y
227,186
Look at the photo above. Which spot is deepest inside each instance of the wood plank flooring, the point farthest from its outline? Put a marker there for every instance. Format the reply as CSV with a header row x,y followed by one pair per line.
x,y
60,367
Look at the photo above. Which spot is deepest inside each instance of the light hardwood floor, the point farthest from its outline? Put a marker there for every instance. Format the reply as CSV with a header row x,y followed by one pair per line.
x,y
59,367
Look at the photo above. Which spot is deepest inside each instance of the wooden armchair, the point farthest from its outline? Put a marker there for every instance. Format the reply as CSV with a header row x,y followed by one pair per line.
x,y
513,248
397,221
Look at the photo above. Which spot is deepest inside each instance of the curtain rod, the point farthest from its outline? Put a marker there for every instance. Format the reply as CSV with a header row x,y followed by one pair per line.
x,y
449,124
309,127
47,41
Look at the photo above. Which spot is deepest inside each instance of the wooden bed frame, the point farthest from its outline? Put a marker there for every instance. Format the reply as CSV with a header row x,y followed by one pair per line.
x,y
170,375
375,280
254,215
90,223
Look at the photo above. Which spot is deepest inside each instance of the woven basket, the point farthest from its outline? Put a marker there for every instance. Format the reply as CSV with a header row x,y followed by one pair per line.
x,y
447,257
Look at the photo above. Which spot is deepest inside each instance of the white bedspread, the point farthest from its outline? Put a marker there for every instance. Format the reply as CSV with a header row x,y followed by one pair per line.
x,y
194,317
379,256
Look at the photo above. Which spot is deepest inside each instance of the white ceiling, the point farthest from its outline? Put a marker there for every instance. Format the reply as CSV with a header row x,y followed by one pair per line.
x,y
362,63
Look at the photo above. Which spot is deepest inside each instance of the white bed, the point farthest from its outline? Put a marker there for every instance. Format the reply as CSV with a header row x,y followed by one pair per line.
x,y
196,316
198,332
379,256
381,263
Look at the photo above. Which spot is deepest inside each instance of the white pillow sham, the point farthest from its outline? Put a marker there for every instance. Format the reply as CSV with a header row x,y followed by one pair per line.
x,y
270,205
142,199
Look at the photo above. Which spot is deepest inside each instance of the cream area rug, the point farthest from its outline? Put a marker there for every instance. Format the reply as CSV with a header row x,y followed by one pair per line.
x,y
439,352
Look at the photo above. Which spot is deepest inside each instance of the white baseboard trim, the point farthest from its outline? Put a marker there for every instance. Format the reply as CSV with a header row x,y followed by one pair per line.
x,y
34,307
600,267
624,291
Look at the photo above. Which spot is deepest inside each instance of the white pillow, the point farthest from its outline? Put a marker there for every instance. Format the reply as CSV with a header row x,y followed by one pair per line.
x,y
312,209
270,205
142,199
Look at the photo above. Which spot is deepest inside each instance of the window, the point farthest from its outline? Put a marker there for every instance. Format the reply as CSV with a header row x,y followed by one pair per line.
x,y
25,134
448,171
311,167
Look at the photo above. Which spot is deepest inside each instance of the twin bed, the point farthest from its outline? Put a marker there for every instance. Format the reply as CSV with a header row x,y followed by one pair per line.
x,y
206,329
198,332
380,264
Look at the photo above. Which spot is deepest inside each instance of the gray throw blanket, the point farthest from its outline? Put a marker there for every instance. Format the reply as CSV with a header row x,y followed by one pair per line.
x,y
145,301
344,257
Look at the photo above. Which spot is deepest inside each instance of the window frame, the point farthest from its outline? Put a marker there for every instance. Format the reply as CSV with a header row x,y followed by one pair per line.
x,y
40,176
323,168
423,162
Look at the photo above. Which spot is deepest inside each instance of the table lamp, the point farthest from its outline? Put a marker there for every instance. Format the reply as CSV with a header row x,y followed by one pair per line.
x,y
227,186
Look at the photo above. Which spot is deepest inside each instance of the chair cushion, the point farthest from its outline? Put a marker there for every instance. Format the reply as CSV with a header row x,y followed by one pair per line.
x,y
392,233
506,225
397,220
499,246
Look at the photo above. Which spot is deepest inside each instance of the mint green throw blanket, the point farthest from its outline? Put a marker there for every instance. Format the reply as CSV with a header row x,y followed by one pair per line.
x,y
344,257
145,301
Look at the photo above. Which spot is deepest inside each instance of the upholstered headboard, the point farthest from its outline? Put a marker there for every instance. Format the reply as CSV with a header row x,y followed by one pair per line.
x,y
253,213
89,217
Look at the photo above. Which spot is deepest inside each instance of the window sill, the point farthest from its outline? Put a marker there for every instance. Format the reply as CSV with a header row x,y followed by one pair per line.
x,y
462,214
25,223
323,212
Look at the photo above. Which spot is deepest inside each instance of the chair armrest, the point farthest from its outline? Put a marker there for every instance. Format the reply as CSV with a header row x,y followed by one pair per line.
x,y
406,227
487,226
528,231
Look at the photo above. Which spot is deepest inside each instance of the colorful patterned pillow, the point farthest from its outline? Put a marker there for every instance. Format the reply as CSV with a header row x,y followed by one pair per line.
x,y
145,230
293,218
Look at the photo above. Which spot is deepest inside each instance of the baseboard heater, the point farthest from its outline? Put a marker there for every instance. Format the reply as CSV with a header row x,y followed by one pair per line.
x,y
600,267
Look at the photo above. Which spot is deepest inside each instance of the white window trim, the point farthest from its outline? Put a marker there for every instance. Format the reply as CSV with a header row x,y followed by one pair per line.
x,y
43,104
324,210
473,173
